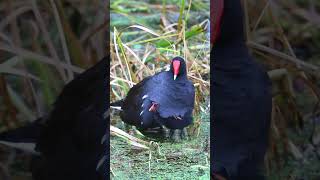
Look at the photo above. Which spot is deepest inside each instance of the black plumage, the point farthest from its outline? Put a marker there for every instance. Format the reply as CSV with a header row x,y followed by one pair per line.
x,y
241,101
69,140
159,100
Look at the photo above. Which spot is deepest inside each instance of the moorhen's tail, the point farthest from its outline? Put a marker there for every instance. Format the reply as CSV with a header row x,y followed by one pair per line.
x,y
23,138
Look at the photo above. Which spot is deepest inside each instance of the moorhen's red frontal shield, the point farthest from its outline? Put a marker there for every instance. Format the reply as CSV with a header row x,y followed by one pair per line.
x,y
176,68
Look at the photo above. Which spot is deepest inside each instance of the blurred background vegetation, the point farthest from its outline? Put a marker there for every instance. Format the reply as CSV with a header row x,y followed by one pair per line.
x,y
284,36
44,43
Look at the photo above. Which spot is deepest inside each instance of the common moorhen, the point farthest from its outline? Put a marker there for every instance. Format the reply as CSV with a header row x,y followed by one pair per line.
x,y
241,98
164,100
71,141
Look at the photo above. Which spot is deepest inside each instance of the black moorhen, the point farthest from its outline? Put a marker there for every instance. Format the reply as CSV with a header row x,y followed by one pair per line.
x,y
71,142
164,100
241,98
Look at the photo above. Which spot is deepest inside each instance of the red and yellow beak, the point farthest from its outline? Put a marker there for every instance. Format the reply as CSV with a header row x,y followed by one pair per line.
x,y
176,68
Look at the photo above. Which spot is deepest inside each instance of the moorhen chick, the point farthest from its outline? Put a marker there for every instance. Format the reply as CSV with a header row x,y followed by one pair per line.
x,y
164,100
241,98
71,142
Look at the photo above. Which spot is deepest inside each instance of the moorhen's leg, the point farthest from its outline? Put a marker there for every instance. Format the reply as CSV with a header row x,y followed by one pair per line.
x,y
166,132
184,134
178,134
175,135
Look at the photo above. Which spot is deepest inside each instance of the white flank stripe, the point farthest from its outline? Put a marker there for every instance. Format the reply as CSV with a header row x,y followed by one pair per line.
x,y
145,96
116,107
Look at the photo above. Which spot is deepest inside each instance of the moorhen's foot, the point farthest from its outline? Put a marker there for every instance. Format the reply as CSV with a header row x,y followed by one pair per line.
x,y
129,129
166,132
176,134
132,130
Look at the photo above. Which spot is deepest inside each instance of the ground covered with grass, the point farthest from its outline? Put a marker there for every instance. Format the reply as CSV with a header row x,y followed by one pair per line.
x,y
188,159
